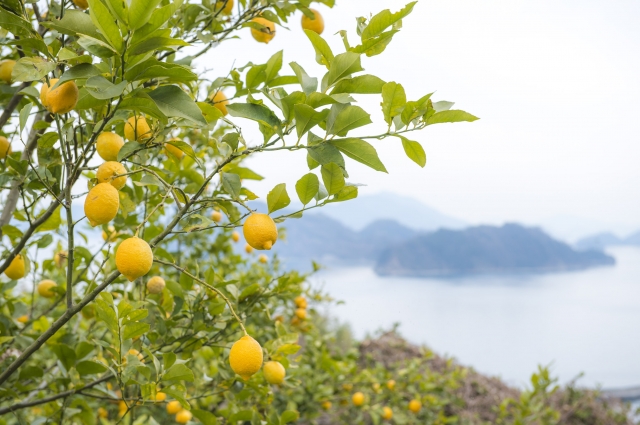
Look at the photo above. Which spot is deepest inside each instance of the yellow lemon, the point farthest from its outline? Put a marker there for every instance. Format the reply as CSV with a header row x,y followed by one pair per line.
x,y
44,288
391,384
5,147
216,216
274,372
415,406
263,258
102,413
160,396
301,313
326,405
101,204
235,236
347,387
173,150
23,319
59,258
82,4
109,234
61,99
173,407
220,101
137,129
108,145
376,387
266,33
316,24
260,231
136,353
245,357
248,249
134,258
357,399
15,270
387,413
155,285
106,174
301,302
6,68
227,8
183,416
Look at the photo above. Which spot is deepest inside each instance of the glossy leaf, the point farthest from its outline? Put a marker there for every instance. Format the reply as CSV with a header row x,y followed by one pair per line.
x,y
307,187
360,151
278,198
332,177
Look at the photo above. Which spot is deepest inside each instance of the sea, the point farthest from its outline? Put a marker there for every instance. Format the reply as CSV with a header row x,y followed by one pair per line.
x,y
584,325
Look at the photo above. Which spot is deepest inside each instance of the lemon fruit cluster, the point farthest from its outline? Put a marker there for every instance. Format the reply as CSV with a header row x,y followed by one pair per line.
x,y
60,99
155,285
134,258
274,372
5,147
108,145
315,24
301,308
16,269
260,231
245,357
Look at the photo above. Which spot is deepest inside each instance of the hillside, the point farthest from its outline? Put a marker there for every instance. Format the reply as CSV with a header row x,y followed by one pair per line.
x,y
485,249
602,240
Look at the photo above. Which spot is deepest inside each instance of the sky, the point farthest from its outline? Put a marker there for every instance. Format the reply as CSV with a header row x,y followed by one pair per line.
x,y
555,84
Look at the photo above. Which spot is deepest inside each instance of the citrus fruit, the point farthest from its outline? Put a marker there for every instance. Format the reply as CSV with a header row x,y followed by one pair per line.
x,y
415,406
248,249
235,236
160,396
263,258
106,174
15,270
183,416
220,101
357,399
101,204
301,302
326,405
216,216
245,357
227,8
6,68
108,145
155,285
109,234
173,407
391,384
316,24
266,33
61,99
134,258
88,312
301,313
59,258
137,130
376,387
173,150
102,413
134,352
5,147
23,319
387,413
274,372
122,408
44,288
260,231
82,4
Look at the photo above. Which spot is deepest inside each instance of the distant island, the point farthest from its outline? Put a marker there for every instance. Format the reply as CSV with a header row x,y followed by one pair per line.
x,y
396,250
511,248
600,241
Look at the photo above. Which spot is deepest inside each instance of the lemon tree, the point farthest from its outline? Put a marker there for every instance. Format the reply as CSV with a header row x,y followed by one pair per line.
x,y
126,294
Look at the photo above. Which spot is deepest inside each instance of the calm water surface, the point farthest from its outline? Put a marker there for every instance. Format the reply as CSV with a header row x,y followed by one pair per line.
x,y
505,326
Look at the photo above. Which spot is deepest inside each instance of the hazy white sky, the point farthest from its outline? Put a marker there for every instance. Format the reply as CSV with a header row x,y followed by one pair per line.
x,y
556,84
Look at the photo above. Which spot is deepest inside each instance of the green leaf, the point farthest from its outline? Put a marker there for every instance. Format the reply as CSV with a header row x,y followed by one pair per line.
x,y
289,416
134,330
393,100
184,147
119,9
106,314
256,76
31,69
155,43
324,55
414,151
443,105
288,103
101,88
317,99
24,115
65,354
307,187
255,112
16,24
231,184
178,395
207,418
173,102
342,66
278,198
308,84
325,153
360,151
154,69
383,20
140,12
89,367
345,194
307,118
249,290
274,64
413,110
74,22
83,70
143,103
209,112
451,116
102,19
332,177
178,372
52,223
362,84
344,118
96,47
376,45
